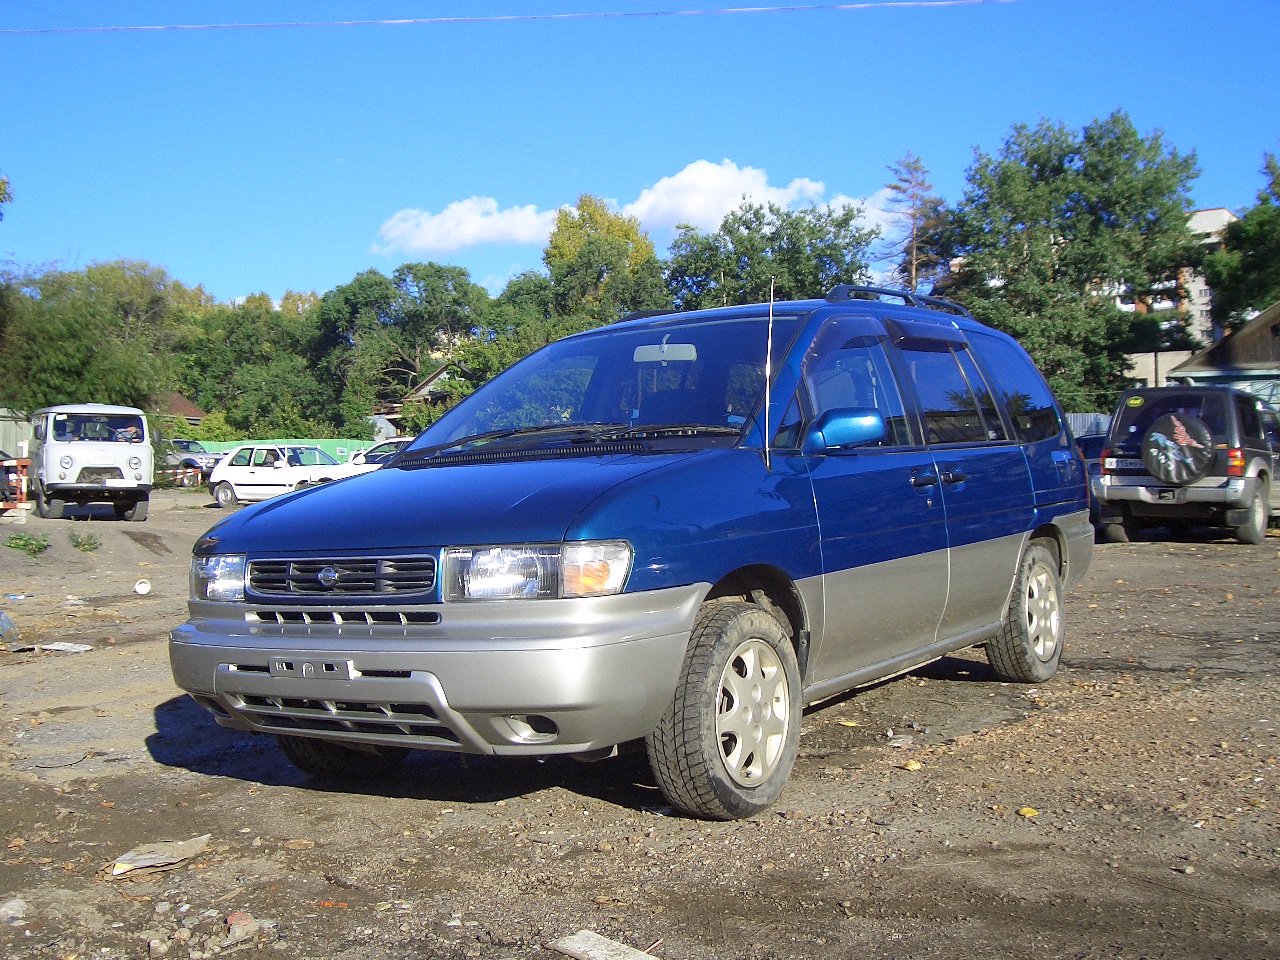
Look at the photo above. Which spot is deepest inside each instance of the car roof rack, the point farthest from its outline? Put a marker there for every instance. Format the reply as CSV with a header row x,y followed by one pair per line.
x,y
852,291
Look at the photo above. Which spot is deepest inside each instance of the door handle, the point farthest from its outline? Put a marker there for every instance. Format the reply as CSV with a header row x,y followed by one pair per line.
x,y
954,476
924,478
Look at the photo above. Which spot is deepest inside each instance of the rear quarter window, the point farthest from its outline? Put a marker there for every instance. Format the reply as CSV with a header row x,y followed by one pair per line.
x,y
1023,392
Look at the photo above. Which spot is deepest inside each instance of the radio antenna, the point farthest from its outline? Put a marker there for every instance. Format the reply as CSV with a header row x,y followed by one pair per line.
x,y
768,380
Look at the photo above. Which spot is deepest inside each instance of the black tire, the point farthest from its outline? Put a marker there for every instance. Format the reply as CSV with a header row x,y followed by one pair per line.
x,y
190,476
725,746
1029,645
1254,530
328,760
225,494
1178,448
136,511
50,508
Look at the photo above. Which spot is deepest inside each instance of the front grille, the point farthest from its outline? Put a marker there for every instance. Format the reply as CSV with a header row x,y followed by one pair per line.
x,y
99,474
405,722
347,576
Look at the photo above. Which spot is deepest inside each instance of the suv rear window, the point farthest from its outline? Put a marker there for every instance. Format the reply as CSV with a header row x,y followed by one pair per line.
x,y
1134,419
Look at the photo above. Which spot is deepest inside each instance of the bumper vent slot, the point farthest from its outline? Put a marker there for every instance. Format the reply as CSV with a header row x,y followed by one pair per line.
x,y
390,722
339,618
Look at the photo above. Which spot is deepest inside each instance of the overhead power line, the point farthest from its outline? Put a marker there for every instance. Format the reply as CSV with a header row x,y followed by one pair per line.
x,y
513,18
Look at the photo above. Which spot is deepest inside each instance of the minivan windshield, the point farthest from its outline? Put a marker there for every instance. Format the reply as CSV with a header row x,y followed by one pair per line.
x,y
704,376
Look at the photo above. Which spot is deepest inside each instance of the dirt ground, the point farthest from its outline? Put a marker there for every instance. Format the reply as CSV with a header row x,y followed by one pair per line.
x,y
1128,808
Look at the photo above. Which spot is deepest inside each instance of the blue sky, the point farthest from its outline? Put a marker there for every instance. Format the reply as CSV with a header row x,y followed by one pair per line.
x,y
293,157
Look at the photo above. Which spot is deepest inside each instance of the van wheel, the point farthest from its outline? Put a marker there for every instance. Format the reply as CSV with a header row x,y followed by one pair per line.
x,y
51,508
136,511
225,494
1029,645
1254,530
725,746
339,761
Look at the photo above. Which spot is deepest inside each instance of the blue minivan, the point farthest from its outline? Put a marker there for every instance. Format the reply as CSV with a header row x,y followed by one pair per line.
x,y
676,530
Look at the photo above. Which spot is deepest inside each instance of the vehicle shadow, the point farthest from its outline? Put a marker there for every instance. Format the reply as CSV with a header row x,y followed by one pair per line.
x,y
187,737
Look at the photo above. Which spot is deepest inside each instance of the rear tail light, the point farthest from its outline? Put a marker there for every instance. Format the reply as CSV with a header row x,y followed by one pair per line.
x,y
1235,462
1102,460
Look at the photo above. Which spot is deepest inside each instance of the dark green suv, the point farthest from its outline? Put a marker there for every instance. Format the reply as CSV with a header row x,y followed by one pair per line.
x,y
1190,456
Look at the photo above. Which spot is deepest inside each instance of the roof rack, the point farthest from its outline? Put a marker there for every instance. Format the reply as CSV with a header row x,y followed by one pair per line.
x,y
853,291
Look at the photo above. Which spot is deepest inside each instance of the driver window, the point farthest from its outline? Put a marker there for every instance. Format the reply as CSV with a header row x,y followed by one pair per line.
x,y
853,371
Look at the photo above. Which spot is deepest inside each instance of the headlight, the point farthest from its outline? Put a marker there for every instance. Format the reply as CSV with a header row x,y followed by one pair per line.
x,y
589,569
220,577
135,463
65,463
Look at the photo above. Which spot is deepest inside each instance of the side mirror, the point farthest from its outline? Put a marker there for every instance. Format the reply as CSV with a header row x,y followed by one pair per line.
x,y
843,427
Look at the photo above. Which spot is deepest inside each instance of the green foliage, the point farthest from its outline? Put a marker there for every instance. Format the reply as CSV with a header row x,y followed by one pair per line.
x,y
1245,272
32,544
84,542
803,252
602,264
1058,225
215,429
6,194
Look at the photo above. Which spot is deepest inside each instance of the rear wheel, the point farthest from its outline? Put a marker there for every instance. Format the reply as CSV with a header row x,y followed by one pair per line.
x,y
726,744
340,761
1254,529
1029,645
1123,531
225,494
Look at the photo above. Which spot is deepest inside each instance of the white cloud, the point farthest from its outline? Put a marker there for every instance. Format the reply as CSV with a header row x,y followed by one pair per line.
x,y
700,194
703,192
465,223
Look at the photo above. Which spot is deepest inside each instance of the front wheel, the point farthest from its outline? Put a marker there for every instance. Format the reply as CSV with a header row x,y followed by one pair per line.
x,y
1029,645
50,508
225,494
725,746
328,760
136,511
1254,529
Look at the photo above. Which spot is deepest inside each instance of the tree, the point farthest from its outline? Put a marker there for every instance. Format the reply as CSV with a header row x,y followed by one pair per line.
x,y
1055,228
602,264
1245,273
6,194
104,333
921,217
800,253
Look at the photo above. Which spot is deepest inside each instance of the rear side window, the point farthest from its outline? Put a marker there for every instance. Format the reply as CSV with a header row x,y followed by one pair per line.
x,y
1018,384
956,405
1250,422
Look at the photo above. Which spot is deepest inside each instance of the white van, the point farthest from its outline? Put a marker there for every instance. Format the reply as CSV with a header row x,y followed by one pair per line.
x,y
86,453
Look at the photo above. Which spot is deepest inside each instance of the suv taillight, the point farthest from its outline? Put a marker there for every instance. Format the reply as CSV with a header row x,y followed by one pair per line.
x,y
1102,460
1235,462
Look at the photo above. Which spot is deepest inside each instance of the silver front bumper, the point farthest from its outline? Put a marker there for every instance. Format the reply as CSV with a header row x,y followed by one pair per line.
x,y
514,677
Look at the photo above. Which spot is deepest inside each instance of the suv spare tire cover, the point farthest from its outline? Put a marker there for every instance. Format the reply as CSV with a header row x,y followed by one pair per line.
x,y
1178,448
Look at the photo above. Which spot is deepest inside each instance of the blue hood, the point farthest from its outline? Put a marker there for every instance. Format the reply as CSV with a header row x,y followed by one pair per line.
x,y
394,509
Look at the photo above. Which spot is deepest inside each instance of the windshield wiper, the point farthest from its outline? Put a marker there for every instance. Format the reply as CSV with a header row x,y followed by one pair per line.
x,y
542,431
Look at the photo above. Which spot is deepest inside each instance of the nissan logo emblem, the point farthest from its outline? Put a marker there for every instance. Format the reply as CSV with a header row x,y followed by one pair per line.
x,y
328,577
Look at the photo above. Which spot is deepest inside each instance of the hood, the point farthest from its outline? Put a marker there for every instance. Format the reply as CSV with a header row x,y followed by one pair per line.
x,y
395,509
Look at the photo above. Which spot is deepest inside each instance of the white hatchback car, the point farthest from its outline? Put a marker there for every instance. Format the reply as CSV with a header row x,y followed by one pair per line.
x,y
361,462
259,471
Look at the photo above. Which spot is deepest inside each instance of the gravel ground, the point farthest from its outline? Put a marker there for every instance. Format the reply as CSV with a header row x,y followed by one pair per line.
x,y
1127,808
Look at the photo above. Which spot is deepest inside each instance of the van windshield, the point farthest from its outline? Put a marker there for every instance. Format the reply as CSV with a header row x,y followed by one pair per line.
x,y
104,428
